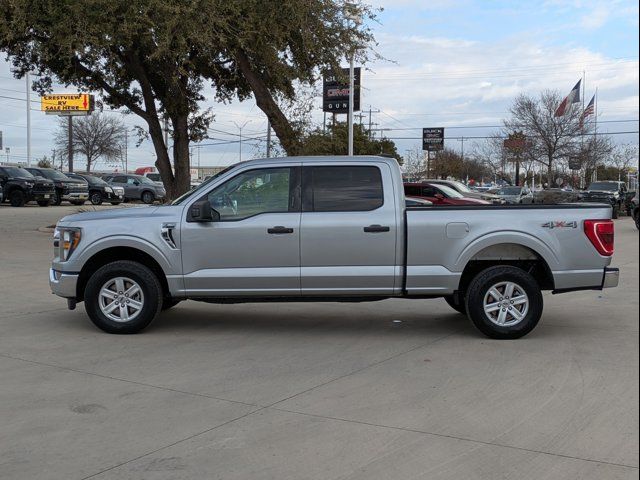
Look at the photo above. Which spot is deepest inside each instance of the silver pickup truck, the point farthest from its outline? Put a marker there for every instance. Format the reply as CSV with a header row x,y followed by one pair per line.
x,y
328,229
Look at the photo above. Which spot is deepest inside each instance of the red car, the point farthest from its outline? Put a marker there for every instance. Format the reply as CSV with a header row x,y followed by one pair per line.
x,y
440,194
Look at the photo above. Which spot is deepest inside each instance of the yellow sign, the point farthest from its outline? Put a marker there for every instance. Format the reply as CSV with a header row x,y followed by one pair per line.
x,y
61,103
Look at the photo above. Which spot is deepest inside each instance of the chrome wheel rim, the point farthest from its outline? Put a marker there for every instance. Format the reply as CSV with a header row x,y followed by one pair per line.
x,y
506,304
121,299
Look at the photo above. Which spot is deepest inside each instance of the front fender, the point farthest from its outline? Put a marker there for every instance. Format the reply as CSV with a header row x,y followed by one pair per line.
x,y
82,256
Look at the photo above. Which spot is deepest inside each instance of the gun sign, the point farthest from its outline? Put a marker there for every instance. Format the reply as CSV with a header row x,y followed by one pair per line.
x,y
67,104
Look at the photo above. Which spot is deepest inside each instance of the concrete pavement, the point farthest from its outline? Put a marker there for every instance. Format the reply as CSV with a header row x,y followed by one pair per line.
x,y
386,390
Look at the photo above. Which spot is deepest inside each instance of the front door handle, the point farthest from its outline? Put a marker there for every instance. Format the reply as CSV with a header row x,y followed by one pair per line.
x,y
376,229
279,230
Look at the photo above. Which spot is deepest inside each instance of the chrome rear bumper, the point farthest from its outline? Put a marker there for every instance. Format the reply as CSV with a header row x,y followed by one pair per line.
x,y
611,278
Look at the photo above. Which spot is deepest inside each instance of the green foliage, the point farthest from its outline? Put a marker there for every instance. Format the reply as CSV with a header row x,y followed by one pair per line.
x,y
334,141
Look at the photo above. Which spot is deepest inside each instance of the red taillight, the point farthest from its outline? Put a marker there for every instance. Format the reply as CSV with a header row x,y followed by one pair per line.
x,y
600,233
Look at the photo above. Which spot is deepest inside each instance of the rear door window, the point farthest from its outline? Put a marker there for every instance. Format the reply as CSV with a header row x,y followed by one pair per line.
x,y
342,188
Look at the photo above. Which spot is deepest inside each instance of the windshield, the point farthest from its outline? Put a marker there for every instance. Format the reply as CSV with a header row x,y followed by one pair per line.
x,y
449,192
54,175
95,180
460,187
17,172
181,199
145,180
604,186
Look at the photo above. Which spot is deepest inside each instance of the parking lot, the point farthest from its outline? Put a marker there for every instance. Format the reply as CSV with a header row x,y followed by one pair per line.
x,y
385,390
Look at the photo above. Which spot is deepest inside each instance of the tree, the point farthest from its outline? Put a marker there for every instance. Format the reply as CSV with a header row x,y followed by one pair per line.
x,y
333,141
154,57
94,136
551,138
44,162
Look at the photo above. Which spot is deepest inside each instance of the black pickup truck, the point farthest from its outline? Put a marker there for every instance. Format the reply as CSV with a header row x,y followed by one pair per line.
x,y
73,190
610,192
21,187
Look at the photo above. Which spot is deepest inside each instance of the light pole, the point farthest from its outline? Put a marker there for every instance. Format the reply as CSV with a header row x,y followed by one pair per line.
x,y
240,127
351,13
28,82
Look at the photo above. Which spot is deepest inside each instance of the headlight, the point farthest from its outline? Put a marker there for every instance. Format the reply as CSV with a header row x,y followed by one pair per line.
x,y
108,189
66,239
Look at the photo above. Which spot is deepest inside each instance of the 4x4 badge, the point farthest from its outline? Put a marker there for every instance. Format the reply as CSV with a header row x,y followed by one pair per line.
x,y
560,224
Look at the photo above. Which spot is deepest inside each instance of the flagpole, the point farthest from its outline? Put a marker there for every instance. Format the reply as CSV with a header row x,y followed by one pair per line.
x,y
582,153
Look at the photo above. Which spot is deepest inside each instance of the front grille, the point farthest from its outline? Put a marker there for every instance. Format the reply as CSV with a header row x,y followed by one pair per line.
x,y
42,188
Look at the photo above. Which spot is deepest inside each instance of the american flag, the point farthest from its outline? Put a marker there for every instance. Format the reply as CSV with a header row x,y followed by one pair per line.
x,y
589,110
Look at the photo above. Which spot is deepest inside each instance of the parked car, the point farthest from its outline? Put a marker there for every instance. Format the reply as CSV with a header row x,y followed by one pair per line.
x,y
417,202
610,192
327,228
513,195
154,177
137,187
465,191
555,196
99,190
20,187
1,193
70,189
440,194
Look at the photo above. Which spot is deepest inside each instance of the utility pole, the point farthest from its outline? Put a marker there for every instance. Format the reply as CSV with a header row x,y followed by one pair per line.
x,y
28,119
353,14
371,124
70,142
269,138
240,127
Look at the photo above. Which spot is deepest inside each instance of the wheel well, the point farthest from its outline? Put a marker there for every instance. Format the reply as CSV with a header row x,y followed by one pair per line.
x,y
147,191
511,254
119,253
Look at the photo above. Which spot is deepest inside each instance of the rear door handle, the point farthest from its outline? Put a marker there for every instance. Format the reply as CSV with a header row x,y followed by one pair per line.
x,y
376,229
279,230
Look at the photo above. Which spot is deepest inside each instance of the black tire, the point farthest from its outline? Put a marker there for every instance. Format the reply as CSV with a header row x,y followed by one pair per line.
x,y
56,198
616,212
169,302
78,202
95,198
17,198
149,284
456,304
115,203
44,203
491,277
147,197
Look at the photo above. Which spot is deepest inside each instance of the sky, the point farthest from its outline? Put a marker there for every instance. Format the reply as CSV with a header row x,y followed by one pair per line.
x,y
456,64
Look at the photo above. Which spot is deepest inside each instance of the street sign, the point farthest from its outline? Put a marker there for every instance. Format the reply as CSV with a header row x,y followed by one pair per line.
x,y
575,163
67,104
432,139
335,92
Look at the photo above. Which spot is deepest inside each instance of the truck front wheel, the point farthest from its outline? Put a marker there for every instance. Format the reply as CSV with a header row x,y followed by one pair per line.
x,y
17,198
123,297
504,302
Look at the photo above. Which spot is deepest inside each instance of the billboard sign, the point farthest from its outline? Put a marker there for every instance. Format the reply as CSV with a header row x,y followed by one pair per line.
x,y
335,92
432,139
67,104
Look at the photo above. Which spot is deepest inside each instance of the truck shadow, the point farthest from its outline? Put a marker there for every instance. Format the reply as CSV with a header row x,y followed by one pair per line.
x,y
301,317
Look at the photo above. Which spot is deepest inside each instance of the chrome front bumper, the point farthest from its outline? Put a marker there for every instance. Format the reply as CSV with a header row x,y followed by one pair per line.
x,y
63,284
76,196
611,278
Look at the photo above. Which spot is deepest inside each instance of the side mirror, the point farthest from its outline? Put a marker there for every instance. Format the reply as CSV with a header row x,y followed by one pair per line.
x,y
439,196
201,211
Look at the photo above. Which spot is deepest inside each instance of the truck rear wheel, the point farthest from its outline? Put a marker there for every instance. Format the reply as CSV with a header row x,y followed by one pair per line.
x,y
454,302
504,302
123,297
44,203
